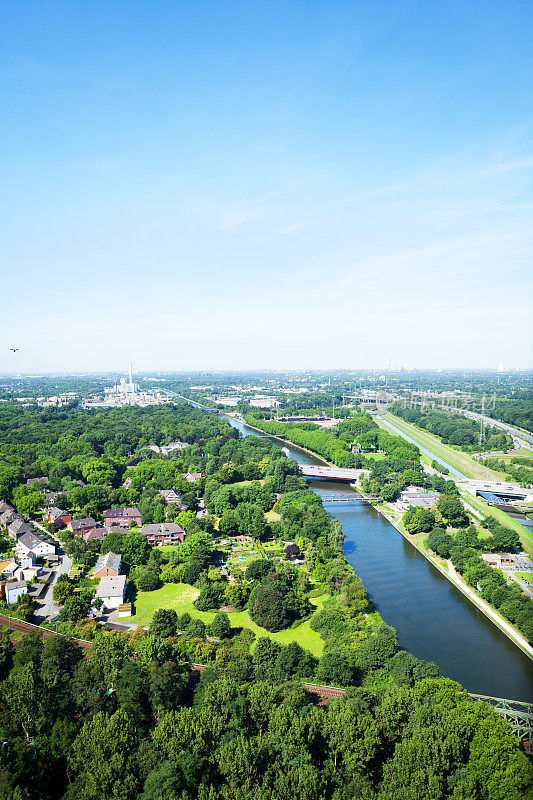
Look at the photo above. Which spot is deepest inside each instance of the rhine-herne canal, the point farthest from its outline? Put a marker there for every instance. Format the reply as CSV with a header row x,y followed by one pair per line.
x,y
433,620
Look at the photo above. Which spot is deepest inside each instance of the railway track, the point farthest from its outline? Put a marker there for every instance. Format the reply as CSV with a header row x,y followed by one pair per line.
x,y
518,714
45,633
325,692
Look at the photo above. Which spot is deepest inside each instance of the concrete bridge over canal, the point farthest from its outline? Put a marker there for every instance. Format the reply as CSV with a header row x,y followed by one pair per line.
x,y
357,498
330,473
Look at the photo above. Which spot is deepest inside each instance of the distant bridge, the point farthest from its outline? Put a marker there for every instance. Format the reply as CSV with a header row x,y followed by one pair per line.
x,y
518,714
356,499
330,473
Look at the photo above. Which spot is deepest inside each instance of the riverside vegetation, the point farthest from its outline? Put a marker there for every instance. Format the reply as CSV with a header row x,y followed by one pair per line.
x,y
126,721
451,536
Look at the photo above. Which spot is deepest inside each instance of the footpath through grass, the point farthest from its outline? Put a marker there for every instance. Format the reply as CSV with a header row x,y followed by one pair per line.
x,y
181,597
456,458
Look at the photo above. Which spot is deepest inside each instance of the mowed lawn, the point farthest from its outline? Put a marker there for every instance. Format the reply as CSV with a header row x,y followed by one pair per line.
x,y
456,458
181,596
525,576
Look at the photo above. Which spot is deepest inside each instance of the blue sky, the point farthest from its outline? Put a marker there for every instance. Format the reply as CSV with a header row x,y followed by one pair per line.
x,y
266,184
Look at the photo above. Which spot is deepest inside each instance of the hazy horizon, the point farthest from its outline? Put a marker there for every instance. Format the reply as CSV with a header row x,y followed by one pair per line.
x,y
301,185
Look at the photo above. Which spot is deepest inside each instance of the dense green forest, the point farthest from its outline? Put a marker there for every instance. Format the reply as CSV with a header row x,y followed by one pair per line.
x,y
455,429
96,449
126,722
517,410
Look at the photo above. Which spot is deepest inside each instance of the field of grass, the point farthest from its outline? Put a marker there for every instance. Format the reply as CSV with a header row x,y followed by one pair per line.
x,y
181,596
527,577
375,456
522,453
456,458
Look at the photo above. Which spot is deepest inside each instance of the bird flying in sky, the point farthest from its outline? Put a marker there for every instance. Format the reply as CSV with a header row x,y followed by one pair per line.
x,y
14,349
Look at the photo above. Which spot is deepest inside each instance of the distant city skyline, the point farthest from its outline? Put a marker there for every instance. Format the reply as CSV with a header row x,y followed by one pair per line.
x,y
283,185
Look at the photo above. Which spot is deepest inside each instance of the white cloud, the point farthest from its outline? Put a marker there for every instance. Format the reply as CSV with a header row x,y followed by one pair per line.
x,y
238,219
294,227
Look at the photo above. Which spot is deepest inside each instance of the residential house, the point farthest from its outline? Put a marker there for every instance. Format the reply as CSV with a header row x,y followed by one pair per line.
x,y
27,573
81,526
110,564
36,590
172,497
13,590
159,533
112,590
7,517
8,569
167,449
98,534
33,481
18,528
34,543
5,507
192,477
123,517
153,447
49,498
127,483
58,518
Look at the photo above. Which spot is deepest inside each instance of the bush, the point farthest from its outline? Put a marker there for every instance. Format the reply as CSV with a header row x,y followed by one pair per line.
x,y
164,623
377,649
417,519
337,668
452,511
147,580
273,604
184,621
440,542
76,607
220,626
196,628
211,596
257,570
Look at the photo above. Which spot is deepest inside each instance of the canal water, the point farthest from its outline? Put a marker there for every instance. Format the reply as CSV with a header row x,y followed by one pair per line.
x,y
433,620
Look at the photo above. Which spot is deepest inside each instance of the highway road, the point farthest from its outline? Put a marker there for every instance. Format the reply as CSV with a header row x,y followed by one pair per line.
x,y
522,438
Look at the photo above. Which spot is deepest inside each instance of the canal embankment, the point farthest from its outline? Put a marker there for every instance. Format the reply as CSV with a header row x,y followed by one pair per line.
x,y
449,573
